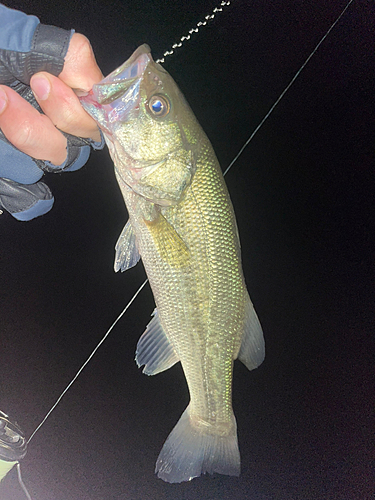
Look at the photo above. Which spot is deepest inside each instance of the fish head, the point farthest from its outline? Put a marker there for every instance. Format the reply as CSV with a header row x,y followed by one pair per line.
x,y
152,134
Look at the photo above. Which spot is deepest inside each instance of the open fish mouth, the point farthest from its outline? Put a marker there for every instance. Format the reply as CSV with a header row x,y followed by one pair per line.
x,y
117,96
122,79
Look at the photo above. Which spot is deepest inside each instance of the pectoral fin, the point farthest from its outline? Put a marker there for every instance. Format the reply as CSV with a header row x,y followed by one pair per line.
x,y
127,254
169,244
251,352
154,350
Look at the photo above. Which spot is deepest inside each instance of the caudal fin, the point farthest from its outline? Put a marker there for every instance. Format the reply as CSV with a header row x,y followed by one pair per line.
x,y
190,451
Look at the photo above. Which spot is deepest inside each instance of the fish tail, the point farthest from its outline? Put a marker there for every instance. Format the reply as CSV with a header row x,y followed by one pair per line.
x,y
192,450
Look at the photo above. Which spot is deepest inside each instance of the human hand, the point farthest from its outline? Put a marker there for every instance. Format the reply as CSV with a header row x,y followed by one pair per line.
x,y
35,134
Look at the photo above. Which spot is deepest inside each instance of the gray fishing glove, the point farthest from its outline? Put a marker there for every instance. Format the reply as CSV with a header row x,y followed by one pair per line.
x,y
27,47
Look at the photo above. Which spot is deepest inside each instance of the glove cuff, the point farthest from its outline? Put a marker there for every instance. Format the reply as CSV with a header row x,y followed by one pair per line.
x,y
78,151
25,201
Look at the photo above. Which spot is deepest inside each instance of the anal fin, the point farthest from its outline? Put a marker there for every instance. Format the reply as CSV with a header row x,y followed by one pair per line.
x,y
252,349
154,350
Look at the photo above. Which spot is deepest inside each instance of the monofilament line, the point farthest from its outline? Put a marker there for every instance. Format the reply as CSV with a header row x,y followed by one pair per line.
x,y
88,359
22,484
286,89
196,28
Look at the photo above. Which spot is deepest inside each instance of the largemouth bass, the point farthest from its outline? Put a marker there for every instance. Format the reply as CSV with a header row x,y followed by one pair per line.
x,y
182,224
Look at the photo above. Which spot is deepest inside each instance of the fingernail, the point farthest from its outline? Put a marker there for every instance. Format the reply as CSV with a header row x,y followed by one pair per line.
x,y
41,87
3,100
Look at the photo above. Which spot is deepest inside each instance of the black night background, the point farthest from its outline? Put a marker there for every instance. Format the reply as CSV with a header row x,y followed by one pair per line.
x,y
304,200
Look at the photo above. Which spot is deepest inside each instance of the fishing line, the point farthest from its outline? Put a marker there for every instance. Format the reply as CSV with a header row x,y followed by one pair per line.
x,y
88,360
11,464
209,17
286,89
22,484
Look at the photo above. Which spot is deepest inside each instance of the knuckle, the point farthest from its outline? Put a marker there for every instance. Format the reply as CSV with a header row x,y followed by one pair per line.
x,y
24,136
39,139
82,46
68,119
67,114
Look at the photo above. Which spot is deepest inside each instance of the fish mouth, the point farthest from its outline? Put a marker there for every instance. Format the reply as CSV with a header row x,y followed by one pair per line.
x,y
121,79
115,97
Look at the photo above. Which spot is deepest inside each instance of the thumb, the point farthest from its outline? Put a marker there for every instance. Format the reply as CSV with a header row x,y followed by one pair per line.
x,y
80,68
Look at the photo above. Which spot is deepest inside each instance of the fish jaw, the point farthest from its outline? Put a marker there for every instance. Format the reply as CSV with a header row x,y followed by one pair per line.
x,y
116,98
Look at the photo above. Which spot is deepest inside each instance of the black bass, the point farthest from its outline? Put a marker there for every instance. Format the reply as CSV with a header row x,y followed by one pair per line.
x,y
182,224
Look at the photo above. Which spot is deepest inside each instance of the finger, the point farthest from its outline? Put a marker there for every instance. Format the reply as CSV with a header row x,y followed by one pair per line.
x,y
62,106
80,68
29,131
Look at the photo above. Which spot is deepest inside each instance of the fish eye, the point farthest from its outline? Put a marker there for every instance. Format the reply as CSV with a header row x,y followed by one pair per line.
x,y
159,105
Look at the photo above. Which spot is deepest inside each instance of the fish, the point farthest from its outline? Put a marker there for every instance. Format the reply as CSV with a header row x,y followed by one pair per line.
x,y
183,227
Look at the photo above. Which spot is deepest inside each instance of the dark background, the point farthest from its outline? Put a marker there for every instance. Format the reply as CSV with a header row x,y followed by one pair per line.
x,y
304,199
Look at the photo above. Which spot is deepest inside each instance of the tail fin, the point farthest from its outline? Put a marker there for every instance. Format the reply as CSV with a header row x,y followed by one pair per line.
x,y
190,451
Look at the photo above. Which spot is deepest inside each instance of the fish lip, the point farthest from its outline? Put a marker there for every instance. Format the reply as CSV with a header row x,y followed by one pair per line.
x,y
117,96
117,75
123,77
